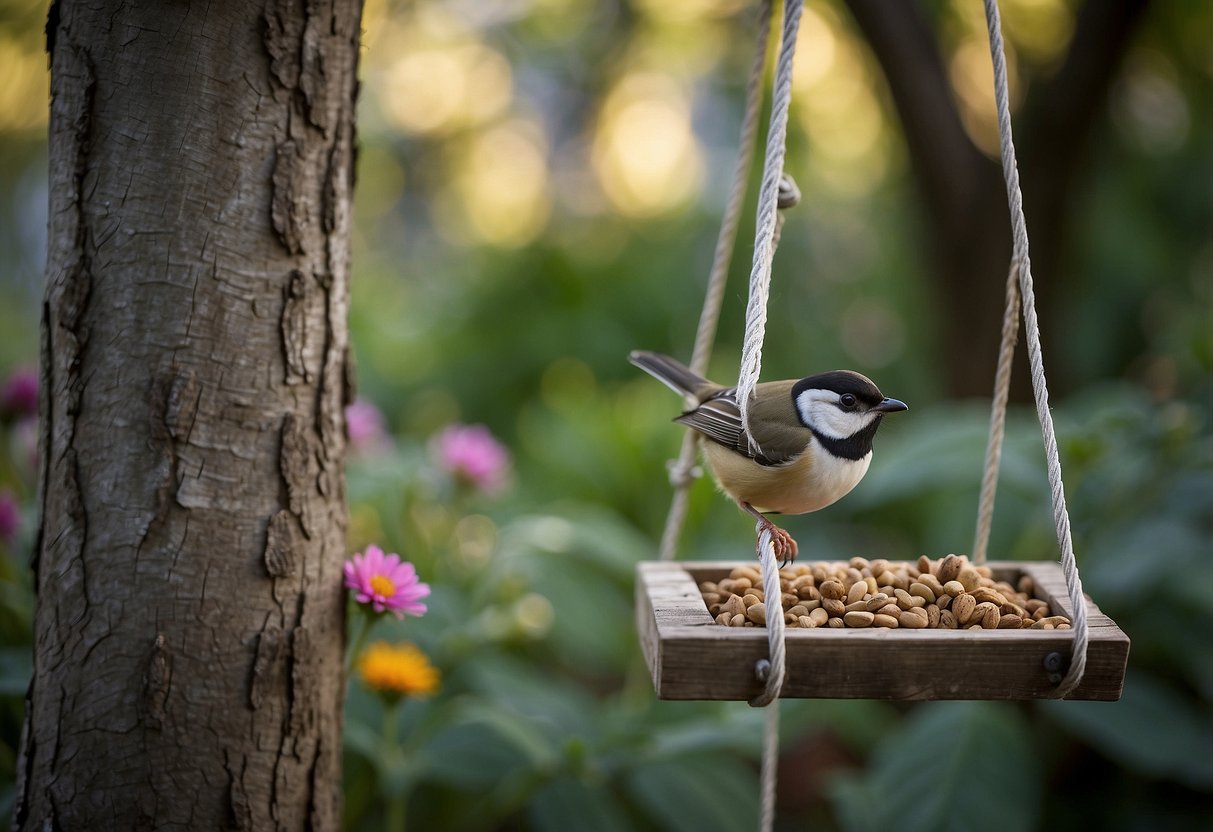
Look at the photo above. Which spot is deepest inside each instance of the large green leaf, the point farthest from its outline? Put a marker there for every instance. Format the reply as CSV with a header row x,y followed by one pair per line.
x,y
567,803
694,793
954,766
1153,729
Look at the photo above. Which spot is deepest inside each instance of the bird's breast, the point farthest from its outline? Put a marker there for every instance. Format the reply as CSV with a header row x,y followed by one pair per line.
x,y
810,482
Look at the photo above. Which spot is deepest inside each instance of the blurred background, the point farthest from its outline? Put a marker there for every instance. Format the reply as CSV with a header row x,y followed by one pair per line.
x,y
540,184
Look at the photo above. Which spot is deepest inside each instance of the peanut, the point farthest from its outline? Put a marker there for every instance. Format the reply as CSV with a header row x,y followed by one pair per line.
x,y
757,613
950,593
914,618
857,591
858,618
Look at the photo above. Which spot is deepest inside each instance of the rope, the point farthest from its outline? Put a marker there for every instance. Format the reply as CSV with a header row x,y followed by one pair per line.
x,y
1023,264
771,673
683,470
775,190
768,202
998,417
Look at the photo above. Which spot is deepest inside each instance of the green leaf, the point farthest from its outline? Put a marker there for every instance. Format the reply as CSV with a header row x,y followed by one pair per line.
x,y
693,793
1153,729
567,803
954,766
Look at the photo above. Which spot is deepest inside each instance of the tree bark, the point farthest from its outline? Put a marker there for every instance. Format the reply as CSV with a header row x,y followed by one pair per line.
x,y
189,624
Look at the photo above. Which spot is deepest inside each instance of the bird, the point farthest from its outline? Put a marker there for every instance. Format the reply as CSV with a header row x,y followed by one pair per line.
x,y
809,441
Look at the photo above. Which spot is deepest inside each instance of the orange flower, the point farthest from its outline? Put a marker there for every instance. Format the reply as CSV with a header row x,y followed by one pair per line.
x,y
398,669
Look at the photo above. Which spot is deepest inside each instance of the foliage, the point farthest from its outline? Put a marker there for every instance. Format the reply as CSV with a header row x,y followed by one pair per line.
x,y
507,258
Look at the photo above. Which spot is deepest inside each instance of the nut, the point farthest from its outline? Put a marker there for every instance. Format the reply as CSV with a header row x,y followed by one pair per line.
x,y
757,613
819,617
914,618
953,588
858,618
933,615
888,621
857,591
949,568
832,590
877,601
969,578
963,606
834,607
921,590
987,615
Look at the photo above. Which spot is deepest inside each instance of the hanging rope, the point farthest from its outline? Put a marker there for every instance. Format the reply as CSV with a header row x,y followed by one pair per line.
x,y
768,206
1023,265
683,471
771,673
998,417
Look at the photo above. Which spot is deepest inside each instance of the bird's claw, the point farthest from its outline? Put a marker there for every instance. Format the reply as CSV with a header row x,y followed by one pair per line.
x,y
782,544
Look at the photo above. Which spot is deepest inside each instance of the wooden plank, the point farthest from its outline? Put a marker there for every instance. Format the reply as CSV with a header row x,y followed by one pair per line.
x,y
692,657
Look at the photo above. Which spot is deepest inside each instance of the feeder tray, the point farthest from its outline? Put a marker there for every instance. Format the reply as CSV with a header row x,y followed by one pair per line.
x,y
692,657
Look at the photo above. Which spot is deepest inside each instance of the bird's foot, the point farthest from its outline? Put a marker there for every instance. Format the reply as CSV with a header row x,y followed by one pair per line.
x,y
781,542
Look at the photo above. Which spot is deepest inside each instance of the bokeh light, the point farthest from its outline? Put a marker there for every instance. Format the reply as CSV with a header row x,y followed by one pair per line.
x,y
500,192
645,154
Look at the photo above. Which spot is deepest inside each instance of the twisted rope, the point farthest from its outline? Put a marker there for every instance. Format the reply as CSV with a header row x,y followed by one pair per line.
x,y
771,673
998,417
768,208
683,470
1023,264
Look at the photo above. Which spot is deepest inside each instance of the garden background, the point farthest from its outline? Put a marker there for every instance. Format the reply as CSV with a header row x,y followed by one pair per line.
x,y
539,188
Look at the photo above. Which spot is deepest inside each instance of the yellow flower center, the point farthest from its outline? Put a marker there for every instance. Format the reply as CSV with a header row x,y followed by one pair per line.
x,y
382,586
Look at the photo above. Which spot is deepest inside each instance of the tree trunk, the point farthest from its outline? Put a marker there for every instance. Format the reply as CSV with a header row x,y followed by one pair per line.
x,y
189,626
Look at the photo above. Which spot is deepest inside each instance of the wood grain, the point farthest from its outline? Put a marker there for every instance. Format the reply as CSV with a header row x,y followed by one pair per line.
x,y
692,657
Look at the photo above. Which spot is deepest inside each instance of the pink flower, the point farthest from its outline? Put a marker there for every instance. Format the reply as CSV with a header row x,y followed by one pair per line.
x,y
19,395
10,516
365,424
472,454
385,582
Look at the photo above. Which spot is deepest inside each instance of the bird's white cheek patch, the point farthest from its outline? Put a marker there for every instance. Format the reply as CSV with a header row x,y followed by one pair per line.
x,y
819,409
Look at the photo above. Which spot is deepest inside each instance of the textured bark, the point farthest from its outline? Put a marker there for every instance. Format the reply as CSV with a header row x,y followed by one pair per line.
x,y
187,669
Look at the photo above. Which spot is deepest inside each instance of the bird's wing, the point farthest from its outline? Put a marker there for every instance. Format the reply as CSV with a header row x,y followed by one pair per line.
x,y
719,419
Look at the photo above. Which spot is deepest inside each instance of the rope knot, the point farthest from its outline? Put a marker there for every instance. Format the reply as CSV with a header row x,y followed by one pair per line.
x,y
682,475
789,194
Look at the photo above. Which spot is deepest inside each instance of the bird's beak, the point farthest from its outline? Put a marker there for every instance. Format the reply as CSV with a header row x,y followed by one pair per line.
x,y
890,406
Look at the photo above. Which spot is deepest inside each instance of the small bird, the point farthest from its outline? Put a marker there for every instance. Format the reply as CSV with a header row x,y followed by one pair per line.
x,y
809,441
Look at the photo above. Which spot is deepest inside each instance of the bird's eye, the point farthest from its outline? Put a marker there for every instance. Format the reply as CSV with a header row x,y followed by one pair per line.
x,y
847,400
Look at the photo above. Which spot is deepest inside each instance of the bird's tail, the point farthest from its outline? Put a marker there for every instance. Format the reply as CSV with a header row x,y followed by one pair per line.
x,y
672,373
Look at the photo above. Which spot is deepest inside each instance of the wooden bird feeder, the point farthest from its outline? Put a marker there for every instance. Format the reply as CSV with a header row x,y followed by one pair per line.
x,y
690,656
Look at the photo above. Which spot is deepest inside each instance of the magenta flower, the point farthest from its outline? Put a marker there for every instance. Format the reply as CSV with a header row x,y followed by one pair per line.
x,y
10,516
19,395
472,454
385,582
366,426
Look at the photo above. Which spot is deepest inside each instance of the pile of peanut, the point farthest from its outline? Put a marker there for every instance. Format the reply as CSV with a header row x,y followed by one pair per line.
x,y
949,593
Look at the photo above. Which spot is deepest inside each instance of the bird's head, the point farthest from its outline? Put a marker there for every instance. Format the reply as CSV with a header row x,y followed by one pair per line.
x,y
841,404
